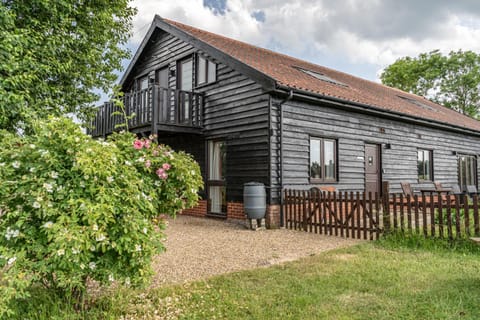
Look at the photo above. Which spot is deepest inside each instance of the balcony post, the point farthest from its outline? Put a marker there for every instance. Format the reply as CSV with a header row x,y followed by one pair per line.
x,y
155,108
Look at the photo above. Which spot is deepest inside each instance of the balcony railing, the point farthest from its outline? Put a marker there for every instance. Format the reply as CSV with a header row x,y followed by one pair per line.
x,y
154,109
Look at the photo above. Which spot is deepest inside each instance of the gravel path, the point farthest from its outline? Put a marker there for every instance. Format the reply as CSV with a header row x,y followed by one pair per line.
x,y
198,248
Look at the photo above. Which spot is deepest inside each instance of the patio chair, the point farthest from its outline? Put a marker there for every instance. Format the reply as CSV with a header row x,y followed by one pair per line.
x,y
472,190
444,193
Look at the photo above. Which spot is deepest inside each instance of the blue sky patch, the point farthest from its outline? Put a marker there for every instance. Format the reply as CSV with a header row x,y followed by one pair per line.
x,y
259,15
218,7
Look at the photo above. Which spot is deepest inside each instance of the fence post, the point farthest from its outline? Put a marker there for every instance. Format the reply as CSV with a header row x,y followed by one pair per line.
x,y
386,205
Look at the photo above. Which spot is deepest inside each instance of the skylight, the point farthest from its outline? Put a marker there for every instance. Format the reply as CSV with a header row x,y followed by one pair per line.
x,y
418,103
322,77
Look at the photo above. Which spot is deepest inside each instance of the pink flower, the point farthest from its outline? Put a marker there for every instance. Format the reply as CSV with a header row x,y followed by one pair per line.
x,y
155,153
166,166
146,144
138,144
148,163
161,174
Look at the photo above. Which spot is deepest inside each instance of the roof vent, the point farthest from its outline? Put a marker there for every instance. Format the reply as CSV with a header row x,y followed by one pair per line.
x,y
321,76
418,103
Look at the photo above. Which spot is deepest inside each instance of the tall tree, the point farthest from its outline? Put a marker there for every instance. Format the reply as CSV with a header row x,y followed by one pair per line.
x,y
453,80
55,53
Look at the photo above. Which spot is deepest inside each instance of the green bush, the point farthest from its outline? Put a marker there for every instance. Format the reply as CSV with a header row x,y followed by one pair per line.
x,y
74,209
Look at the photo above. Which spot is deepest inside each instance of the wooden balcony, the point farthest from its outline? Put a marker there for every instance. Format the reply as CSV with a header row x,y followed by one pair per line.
x,y
155,109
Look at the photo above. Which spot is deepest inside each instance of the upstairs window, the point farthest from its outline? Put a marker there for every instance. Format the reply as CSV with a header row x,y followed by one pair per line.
x,y
185,75
323,160
206,71
425,165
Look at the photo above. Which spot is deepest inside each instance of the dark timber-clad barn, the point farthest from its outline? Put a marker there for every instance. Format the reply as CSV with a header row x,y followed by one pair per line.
x,y
250,114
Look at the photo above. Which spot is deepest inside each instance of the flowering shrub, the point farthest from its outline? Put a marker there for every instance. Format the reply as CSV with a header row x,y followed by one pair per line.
x,y
73,208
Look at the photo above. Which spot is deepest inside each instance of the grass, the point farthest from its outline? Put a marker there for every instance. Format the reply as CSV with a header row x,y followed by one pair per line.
x,y
392,279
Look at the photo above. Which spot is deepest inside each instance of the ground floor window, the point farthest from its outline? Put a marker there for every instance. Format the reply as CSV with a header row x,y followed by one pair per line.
x,y
425,165
323,160
467,171
217,199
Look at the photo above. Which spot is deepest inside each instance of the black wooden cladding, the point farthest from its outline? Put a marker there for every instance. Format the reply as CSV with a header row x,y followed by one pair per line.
x,y
352,131
366,216
149,108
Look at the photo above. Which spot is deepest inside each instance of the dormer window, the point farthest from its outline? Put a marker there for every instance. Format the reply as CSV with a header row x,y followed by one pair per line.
x,y
206,71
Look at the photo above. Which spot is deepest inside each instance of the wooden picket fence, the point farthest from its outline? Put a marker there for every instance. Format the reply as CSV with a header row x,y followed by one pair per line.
x,y
366,216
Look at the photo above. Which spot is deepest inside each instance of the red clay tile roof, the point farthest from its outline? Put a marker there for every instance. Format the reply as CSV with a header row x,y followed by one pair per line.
x,y
285,71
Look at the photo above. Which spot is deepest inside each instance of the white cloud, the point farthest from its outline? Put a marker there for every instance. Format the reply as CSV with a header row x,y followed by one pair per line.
x,y
368,32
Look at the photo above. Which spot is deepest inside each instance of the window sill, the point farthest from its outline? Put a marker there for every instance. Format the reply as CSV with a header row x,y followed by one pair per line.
x,y
321,181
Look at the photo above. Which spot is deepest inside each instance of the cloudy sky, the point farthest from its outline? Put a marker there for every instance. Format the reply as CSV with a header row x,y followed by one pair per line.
x,y
359,37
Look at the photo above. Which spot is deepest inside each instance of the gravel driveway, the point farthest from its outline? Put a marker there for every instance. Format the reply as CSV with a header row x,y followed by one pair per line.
x,y
199,247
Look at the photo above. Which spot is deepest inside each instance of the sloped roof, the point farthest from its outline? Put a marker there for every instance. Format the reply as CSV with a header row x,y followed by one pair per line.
x,y
298,74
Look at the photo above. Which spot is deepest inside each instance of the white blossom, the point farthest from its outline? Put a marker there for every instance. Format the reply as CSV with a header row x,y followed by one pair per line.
x,y
110,179
48,224
16,164
11,233
110,278
54,175
128,163
44,153
82,266
127,281
82,184
32,169
92,265
36,205
32,146
92,248
11,260
145,230
95,227
138,248
86,177
75,251
60,252
2,164
48,187
100,237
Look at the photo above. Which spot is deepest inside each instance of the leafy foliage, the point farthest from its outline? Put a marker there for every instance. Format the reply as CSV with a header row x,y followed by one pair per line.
x,y
54,53
453,80
75,209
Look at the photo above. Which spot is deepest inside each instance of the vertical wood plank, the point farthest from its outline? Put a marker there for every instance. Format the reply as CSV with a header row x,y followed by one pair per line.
x,y
466,213
347,212
440,219
370,217
358,214
335,213
449,219
432,216
476,218
457,220
377,215
340,213
402,213
364,215
394,211
409,213
304,211
417,209
424,216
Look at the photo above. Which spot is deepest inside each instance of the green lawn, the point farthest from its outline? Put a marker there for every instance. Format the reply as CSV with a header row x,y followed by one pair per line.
x,y
370,281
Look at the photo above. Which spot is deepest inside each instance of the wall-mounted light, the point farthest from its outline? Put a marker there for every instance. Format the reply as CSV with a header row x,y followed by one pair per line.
x,y
454,153
172,72
388,146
